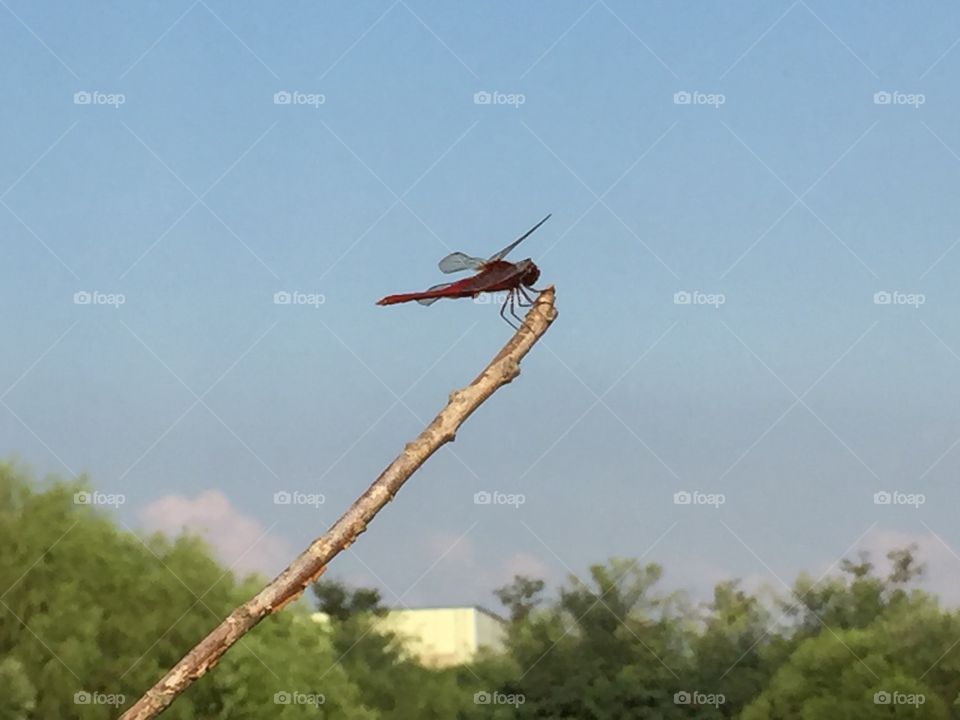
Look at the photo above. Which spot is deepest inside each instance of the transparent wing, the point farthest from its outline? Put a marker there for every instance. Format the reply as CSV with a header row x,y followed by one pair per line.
x,y
503,253
455,262
431,301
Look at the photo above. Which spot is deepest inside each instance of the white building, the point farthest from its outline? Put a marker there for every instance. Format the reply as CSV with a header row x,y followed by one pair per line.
x,y
443,636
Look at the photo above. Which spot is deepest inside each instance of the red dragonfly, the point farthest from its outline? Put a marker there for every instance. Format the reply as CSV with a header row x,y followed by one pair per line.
x,y
493,274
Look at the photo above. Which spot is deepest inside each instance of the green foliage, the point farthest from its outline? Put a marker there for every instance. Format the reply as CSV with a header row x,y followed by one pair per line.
x,y
19,696
392,685
92,615
340,603
520,597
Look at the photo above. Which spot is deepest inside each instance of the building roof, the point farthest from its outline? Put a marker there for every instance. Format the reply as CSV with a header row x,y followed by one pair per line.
x,y
478,608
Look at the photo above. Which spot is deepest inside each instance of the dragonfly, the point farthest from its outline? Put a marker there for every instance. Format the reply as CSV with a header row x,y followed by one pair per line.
x,y
492,275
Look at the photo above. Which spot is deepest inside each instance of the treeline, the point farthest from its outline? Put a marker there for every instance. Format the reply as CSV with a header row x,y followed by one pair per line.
x,y
92,614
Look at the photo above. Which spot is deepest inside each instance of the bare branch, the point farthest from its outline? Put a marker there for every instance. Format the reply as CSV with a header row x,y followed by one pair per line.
x,y
303,571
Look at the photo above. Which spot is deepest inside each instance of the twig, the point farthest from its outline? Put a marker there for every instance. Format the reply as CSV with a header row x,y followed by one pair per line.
x,y
291,583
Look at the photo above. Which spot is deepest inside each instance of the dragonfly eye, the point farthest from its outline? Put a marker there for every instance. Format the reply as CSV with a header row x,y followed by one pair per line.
x,y
531,276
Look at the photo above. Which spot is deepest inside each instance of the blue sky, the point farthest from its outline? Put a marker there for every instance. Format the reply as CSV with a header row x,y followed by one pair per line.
x,y
816,164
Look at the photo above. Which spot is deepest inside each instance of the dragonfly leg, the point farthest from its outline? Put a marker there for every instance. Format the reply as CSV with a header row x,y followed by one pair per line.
x,y
512,299
503,309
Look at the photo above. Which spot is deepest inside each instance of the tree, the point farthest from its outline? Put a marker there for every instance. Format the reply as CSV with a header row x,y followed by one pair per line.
x,y
729,651
92,613
865,647
520,597
603,651
85,598
337,601
391,684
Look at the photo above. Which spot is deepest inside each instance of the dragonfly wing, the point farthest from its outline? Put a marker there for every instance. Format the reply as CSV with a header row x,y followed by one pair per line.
x,y
503,253
432,300
455,262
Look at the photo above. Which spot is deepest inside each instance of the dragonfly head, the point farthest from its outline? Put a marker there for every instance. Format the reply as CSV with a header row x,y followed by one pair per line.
x,y
531,273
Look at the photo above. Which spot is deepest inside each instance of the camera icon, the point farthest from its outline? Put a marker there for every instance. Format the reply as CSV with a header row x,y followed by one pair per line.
x,y
881,698
682,498
282,98
882,498
482,498
82,697
82,298
481,698
682,98
82,498
882,98
681,698
682,298
281,698
882,298
82,98
482,98
282,297
282,498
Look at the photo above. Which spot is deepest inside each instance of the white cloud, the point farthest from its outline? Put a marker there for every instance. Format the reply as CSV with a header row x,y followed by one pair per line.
x,y
241,542
524,564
